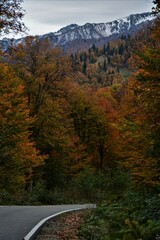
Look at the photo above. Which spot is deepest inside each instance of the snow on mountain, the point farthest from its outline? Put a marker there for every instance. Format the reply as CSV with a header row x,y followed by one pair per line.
x,y
123,24
66,29
89,31
100,30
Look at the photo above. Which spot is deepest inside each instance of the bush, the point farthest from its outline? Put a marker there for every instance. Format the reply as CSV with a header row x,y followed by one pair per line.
x,y
134,218
86,184
102,185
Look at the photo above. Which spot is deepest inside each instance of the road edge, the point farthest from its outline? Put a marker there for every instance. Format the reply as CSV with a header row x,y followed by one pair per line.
x,y
34,231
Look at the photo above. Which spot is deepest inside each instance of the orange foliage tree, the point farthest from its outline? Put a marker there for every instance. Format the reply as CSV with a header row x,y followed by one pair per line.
x,y
140,116
91,114
18,154
46,76
134,141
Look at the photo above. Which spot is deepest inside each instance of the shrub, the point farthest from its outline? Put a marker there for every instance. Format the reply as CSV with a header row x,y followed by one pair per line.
x,y
134,217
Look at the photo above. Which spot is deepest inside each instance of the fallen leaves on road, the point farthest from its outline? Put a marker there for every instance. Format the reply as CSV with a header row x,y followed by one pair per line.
x,y
63,227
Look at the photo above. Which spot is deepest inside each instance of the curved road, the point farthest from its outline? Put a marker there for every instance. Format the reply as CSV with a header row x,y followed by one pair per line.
x,y
17,221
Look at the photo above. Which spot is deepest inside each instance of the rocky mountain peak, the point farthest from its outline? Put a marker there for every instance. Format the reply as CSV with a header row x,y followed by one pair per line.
x,y
90,31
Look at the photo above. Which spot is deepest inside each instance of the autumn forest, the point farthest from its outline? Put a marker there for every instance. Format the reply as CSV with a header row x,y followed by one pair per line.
x,y
84,127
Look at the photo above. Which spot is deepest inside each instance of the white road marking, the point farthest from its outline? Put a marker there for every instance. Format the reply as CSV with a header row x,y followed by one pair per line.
x,y
36,228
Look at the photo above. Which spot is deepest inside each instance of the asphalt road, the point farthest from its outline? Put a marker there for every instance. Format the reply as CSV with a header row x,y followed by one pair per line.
x,y
17,221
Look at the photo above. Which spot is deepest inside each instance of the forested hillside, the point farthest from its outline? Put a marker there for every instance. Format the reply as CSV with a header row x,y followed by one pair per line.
x,y
85,128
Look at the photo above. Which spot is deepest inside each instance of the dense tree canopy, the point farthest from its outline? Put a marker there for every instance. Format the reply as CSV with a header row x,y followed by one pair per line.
x,y
83,128
18,154
96,123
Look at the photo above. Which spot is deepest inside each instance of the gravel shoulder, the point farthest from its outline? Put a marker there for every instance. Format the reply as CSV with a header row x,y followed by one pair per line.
x,y
63,227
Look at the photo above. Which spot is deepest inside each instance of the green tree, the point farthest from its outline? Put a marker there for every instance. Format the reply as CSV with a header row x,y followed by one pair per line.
x,y
121,49
84,67
105,65
104,49
108,48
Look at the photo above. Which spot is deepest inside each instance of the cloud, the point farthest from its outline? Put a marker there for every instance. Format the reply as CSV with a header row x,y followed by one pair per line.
x,y
49,15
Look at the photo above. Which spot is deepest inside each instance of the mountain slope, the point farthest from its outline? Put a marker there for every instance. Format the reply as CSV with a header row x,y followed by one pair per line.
x,y
97,31
90,32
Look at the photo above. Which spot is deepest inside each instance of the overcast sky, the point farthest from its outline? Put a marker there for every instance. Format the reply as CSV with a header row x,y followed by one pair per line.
x,y
44,16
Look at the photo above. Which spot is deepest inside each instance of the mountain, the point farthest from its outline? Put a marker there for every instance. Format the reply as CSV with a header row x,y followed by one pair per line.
x,y
74,35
